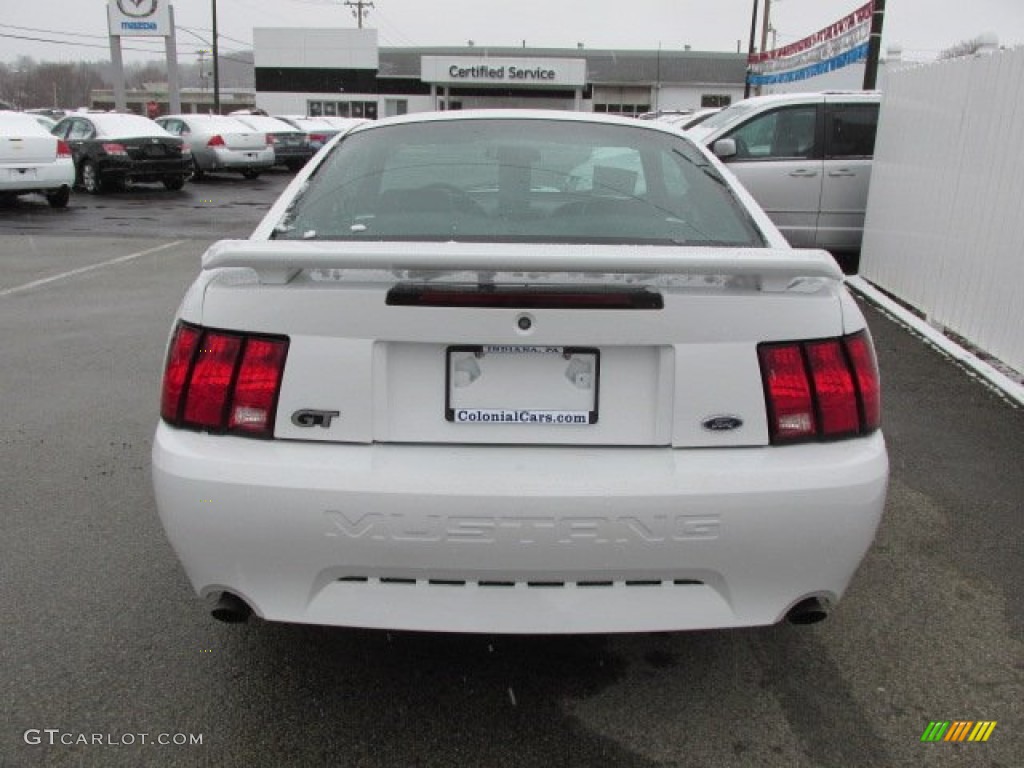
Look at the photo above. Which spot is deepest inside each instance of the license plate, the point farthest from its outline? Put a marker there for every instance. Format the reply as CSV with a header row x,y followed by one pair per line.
x,y
20,174
513,384
250,155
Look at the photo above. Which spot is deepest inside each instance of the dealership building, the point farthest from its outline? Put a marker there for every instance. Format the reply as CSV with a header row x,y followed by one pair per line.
x,y
344,72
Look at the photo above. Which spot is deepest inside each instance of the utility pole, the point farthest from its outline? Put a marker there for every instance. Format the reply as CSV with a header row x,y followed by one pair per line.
x,y
201,53
359,9
216,67
766,23
750,53
874,46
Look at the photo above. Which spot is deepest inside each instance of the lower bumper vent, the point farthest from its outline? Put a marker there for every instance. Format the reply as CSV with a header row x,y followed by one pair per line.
x,y
406,581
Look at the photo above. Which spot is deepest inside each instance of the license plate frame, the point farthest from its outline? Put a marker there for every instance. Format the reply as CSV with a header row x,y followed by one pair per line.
x,y
582,370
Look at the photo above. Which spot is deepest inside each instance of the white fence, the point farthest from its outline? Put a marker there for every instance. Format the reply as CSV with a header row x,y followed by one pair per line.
x,y
945,219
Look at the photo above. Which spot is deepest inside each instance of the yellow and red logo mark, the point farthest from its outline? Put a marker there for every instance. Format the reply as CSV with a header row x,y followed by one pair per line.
x,y
958,730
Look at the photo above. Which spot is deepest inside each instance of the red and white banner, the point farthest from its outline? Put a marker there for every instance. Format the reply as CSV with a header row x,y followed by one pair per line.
x,y
838,29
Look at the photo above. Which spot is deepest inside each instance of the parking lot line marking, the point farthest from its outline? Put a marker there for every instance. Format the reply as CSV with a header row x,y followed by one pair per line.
x,y
80,270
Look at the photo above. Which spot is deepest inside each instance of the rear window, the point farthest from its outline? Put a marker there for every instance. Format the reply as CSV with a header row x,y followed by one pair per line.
x,y
518,180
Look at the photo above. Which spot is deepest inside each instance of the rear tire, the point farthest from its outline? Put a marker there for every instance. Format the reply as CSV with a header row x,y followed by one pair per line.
x,y
174,183
295,165
59,197
250,174
91,181
197,172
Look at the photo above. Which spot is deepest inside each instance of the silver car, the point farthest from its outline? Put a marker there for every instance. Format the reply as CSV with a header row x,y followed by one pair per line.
x,y
222,144
291,145
317,129
805,157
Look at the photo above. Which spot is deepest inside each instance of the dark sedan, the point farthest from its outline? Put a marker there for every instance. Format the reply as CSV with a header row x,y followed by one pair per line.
x,y
291,145
111,150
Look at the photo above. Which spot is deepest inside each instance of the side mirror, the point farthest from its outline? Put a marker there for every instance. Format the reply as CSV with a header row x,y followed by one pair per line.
x,y
724,148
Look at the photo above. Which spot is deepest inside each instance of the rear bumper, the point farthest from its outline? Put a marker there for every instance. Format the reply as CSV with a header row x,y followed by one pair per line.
x,y
236,159
518,539
285,154
42,177
146,170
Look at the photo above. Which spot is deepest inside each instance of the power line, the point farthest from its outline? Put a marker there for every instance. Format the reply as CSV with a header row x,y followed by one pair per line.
x,y
138,41
193,30
105,47
394,31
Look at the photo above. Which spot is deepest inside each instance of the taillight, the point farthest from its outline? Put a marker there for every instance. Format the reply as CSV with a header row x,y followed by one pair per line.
x,y
63,150
210,383
833,386
318,138
216,141
179,359
115,149
865,371
824,389
218,381
271,139
790,406
257,386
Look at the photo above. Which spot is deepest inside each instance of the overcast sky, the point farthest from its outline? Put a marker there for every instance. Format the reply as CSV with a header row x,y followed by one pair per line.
x,y
922,27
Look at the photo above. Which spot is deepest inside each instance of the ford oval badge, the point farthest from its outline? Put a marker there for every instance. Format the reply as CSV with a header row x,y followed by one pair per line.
x,y
722,423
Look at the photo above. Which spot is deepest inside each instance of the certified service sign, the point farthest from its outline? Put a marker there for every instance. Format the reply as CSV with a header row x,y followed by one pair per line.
x,y
130,18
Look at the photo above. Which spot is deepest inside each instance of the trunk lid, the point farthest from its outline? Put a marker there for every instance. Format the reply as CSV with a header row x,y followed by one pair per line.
x,y
521,344
244,140
23,148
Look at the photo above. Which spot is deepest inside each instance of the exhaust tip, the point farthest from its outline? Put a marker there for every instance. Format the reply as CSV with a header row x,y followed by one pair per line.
x,y
810,610
231,609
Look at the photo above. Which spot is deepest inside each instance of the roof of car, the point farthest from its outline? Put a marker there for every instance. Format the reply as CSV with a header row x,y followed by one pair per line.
x,y
797,98
124,126
20,124
265,123
550,115
222,120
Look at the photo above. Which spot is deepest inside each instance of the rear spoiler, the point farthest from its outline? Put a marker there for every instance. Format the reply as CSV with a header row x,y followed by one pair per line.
x,y
277,261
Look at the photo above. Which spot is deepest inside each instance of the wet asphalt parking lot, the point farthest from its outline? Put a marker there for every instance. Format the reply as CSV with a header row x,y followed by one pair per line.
x,y
101,635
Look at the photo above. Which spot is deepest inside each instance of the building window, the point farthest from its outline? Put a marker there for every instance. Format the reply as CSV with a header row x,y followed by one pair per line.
x,y
715,100
394,107
627,110
366,109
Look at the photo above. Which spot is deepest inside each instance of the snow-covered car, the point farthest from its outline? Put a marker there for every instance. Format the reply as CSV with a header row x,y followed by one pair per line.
x,y
33,161
443,388
112,150
291,145
317,129
220,143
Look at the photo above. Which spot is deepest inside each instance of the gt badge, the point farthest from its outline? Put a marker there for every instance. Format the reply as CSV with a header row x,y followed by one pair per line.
x,y
308,417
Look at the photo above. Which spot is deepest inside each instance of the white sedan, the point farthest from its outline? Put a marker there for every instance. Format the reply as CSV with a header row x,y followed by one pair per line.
x,y
444,388
33,161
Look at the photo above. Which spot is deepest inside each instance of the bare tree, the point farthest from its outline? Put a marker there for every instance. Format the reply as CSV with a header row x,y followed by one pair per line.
x,y
967,47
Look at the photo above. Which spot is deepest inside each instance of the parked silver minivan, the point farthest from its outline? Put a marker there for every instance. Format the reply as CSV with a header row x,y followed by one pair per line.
x,y
805,157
